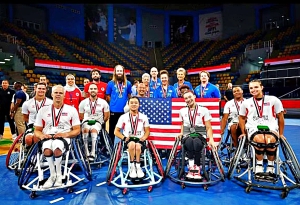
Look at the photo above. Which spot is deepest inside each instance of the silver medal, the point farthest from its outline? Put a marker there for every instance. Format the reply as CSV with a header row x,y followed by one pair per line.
x,y
192,130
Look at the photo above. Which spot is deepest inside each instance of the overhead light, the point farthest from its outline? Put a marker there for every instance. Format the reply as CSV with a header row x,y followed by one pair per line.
x,y
11,56
2,62
259,57
7,59
260,62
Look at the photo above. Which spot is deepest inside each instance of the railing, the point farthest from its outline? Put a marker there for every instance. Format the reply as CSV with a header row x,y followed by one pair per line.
x,y
258,45
9,38
280,73
23,54
238,62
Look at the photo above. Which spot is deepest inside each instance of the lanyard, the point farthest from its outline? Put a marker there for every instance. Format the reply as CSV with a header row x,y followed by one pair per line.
x,y
133,124
178,89
37,105
93,108
259,109
56,118
192,118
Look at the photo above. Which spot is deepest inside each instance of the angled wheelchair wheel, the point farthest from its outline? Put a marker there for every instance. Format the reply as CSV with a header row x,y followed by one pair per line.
x,y
114,162
172,157
82,158
219,164
107,140
291,159
236,158
29,165
156,156
14,152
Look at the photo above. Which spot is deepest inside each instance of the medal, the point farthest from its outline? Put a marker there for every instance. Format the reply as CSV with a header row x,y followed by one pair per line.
x,y
55,119
259,109
134,124
120,89
192,130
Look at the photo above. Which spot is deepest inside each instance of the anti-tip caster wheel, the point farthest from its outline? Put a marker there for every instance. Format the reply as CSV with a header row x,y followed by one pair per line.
x,y
205,187
182,185
248,189
69,190
149,189
32,195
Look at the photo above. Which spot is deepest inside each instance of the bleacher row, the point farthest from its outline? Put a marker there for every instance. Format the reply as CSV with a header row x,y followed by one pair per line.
x,y
52,46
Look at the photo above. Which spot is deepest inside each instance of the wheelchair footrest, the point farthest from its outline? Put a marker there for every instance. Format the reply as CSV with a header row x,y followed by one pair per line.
x,y
266,177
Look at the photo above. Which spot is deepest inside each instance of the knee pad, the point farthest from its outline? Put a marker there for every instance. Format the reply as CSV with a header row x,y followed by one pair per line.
x,y
271,153
258,144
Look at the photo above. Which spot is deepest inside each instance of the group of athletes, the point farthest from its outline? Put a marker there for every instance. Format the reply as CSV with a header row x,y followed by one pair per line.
x,y
55,121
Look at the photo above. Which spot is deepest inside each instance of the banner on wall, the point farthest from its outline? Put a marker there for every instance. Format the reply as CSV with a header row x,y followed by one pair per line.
x,y
282,60
210,26
217,68
73,66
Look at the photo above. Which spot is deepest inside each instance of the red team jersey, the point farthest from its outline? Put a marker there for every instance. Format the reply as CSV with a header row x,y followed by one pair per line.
x,y
73,98
101,89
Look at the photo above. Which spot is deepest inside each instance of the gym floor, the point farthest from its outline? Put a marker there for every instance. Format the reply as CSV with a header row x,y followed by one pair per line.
x,y
168,192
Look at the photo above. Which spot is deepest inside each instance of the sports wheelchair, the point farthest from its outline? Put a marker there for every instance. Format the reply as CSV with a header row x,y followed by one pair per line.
x,y
290,178
35,168
18,151
212,169
119,176
104,145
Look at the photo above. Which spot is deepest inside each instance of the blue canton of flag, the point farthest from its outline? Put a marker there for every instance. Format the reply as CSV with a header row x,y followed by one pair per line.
x,y
157,110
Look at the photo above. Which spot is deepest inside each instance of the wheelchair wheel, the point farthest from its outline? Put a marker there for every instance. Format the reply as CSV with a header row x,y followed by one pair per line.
x,y
108,142
14,152
156,156
291,159
236,158
113,162
219,164
82,158
172,157
29,165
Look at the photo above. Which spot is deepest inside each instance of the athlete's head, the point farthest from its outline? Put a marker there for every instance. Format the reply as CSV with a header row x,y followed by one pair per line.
x,y
146,79
95,74
119,74
40,90
181,73
164,76
204,76
256,88
58,94
141,89
134,104
189,98
93,90
237,92
154,72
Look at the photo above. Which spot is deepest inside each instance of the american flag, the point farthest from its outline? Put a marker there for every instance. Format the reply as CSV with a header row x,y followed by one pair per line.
x,y
163,115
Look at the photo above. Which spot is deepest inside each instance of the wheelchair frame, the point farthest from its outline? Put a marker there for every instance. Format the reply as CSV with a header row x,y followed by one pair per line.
x,y
119,177
36,160
100,157
281,172
178,173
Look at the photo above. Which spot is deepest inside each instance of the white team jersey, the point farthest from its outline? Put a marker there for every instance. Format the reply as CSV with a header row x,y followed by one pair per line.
x,y
203,115
32,106
269,106
93,110
125,124
57,120
232,108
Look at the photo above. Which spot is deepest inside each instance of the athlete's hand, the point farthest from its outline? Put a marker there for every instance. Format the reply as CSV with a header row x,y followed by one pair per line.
x,y
242,135
282,137
179,136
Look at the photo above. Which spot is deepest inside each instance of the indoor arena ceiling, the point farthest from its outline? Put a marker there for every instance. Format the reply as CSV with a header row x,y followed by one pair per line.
x,y
183,7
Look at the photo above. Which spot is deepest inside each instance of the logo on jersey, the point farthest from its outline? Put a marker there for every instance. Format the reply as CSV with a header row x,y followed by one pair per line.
x,y
64,114
267,104
77,94
102,88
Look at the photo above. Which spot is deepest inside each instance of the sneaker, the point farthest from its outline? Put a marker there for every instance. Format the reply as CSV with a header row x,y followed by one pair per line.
x,y
140,173
91,157
270,169
14,136
50,181
58,181
1,137
259,168
132,172
196,171
190,173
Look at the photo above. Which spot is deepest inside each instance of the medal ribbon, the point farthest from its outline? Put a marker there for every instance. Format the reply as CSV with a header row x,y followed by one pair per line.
x,y
202,91
237,106
164,91
133,124
56,118
154,84
120,88
37,105
259,111
192,118
93,108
